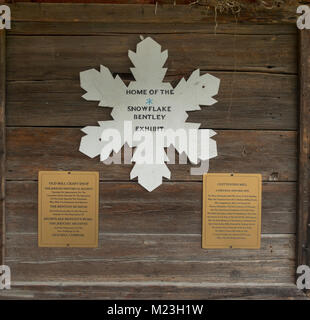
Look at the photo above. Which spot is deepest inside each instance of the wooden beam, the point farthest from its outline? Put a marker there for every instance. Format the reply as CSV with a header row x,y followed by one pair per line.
x,y
151,290
303,230
152,257
2,144
46,58
101,28
151,13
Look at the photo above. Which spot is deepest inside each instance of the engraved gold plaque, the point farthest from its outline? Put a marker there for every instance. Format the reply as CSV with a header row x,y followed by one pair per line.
x,y
231,211
68,209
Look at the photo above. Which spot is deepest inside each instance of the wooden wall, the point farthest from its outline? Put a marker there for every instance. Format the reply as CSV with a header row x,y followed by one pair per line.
x,y
150,243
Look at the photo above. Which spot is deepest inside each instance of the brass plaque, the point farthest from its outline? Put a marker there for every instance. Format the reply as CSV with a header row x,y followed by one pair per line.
x,y
68,208
231,211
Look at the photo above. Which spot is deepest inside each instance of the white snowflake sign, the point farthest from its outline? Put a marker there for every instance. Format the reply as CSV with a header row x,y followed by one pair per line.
x,y
149,115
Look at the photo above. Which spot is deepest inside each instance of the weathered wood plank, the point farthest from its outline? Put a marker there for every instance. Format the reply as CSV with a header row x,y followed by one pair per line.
x,y
284,13
102,28
64,57
271,153
174,209
2,141
130,247
245,101
227,271
152,290
303,232
141,257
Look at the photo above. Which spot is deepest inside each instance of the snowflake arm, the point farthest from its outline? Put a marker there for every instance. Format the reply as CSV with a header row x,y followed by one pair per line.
x,y
197,90
102,86
150,175
102,140
144,71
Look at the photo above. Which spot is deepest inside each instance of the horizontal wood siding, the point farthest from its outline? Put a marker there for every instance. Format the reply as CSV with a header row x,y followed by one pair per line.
x,y
54,57
150,243
175,208
236,108
150,290
271,153
150,13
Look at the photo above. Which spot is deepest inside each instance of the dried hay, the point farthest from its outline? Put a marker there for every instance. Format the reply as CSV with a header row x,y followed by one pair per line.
x,y
236,6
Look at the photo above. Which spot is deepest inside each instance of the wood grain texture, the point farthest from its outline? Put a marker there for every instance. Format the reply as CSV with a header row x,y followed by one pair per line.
x,y
272,153
303,255
150,243
284,13
245,101
258,271
175,208
151,257
153,248
152,290
64,57
2,141
102,28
